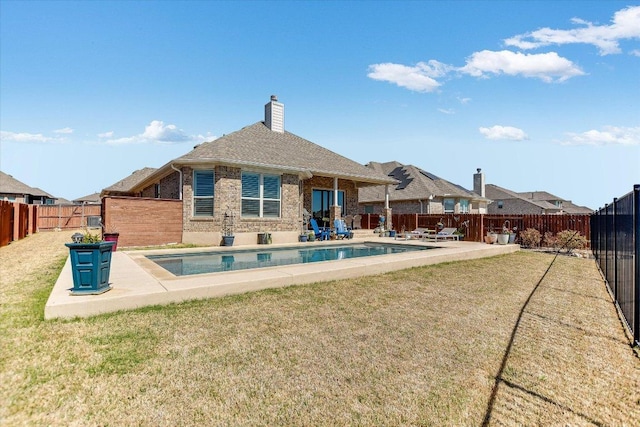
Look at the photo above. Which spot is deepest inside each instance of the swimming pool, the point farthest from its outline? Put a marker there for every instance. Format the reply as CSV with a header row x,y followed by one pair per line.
x,y
217,261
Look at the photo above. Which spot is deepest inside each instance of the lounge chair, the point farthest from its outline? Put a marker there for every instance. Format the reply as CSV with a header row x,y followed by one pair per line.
x,y
341,229
420,233
444,234
321,233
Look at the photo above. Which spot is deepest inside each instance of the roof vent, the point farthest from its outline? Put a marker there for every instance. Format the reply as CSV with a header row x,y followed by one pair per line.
x,y
274,115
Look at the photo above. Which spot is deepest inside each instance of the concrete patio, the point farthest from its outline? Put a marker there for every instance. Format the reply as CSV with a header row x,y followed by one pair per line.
x,y
138,282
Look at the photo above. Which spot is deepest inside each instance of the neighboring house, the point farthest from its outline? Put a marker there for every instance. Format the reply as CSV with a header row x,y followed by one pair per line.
x,y
418,191
565,205
16,191
537,202
90,198
124,186
265,176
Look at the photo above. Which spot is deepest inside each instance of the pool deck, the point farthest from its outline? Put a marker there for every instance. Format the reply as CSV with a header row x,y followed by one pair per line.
x,y
138,282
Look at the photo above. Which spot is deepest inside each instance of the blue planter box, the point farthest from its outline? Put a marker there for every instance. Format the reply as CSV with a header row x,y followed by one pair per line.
x,y
90,265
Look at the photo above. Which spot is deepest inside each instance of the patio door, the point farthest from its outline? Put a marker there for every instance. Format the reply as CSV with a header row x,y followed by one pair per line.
x,y
321,201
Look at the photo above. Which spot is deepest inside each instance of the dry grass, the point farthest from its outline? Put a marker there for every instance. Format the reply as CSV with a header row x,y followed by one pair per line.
x,y
415,347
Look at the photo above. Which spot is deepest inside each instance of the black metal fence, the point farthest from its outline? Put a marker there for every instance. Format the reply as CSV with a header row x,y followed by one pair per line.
x,y
615,241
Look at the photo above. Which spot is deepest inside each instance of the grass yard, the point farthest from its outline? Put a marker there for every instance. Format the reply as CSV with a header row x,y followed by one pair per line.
x,y
425,346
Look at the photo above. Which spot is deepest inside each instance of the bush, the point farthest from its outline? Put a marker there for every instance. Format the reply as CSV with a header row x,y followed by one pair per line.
x,y
549,240
530,237
570,240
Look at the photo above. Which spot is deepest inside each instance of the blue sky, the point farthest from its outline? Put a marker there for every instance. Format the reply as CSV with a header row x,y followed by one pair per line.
x,y
540,95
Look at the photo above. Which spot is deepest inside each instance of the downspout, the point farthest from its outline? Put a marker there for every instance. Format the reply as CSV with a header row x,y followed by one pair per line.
x,y
421,210
180,183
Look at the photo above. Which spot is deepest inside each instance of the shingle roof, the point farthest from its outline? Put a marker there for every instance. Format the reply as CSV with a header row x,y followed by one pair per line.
x,y
496,192
414,184
10,185
256,145
90,198
125,185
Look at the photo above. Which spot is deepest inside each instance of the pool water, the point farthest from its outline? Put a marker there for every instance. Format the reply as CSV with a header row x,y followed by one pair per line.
x,y
217,261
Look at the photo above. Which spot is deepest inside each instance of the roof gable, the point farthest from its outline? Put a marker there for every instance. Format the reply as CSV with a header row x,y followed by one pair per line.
x,y
127,184
257,146
10,185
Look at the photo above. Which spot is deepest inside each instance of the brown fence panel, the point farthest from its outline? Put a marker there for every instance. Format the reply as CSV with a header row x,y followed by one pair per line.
x,y
23,220
6,222
65,217
143,221
475,226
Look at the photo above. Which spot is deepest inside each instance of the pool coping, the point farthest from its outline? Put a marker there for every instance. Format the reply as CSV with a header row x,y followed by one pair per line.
x,y
138,282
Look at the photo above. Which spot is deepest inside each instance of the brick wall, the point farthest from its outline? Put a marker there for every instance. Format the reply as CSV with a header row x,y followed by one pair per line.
x,y
143,221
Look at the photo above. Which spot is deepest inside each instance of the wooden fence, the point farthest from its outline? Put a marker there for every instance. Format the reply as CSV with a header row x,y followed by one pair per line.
x,y
66,217
17,221
477,225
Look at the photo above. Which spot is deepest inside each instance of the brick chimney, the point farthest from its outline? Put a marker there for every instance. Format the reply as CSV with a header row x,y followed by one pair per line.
x,y
274,115
478,183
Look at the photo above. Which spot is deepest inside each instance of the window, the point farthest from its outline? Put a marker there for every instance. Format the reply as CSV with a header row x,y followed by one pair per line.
x,y
156,191
321,202
203,186
464,206
449,205
500,204
368,209
260,195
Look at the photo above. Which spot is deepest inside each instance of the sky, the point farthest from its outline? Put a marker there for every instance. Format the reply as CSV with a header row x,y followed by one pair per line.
x,y
541,95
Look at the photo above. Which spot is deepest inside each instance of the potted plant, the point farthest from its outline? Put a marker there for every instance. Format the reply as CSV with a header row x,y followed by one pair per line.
x,y
503,237
111,234
228,223
90,263
512,235
312,237
491,237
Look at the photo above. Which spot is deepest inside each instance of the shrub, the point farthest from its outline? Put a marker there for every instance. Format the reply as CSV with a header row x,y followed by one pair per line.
x,y
570,240
530,237
549,240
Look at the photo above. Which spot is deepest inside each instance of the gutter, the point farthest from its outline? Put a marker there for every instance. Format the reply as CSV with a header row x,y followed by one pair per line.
x,y
180,184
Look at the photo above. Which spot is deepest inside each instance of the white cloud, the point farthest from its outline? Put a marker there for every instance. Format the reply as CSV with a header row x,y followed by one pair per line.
x,y
545,66
464,100
503,132
447,111
419,78
625,25
157,132
635,52
26,137
65,131
610,135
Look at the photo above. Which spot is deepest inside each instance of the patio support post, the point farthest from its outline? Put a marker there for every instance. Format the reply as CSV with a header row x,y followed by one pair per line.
x,y
334,211
387,209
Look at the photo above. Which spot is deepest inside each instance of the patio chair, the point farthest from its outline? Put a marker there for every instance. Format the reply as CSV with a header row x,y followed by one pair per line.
x,y
357,222
341,229
444,234
349,221
321,233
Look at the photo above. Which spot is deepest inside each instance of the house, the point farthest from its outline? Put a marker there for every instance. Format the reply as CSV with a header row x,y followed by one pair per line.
x,y
93,198
124,186
419,191
263,175
16,191
536,202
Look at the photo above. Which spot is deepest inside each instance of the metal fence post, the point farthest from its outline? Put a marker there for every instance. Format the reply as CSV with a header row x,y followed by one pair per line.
x,y
636,237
